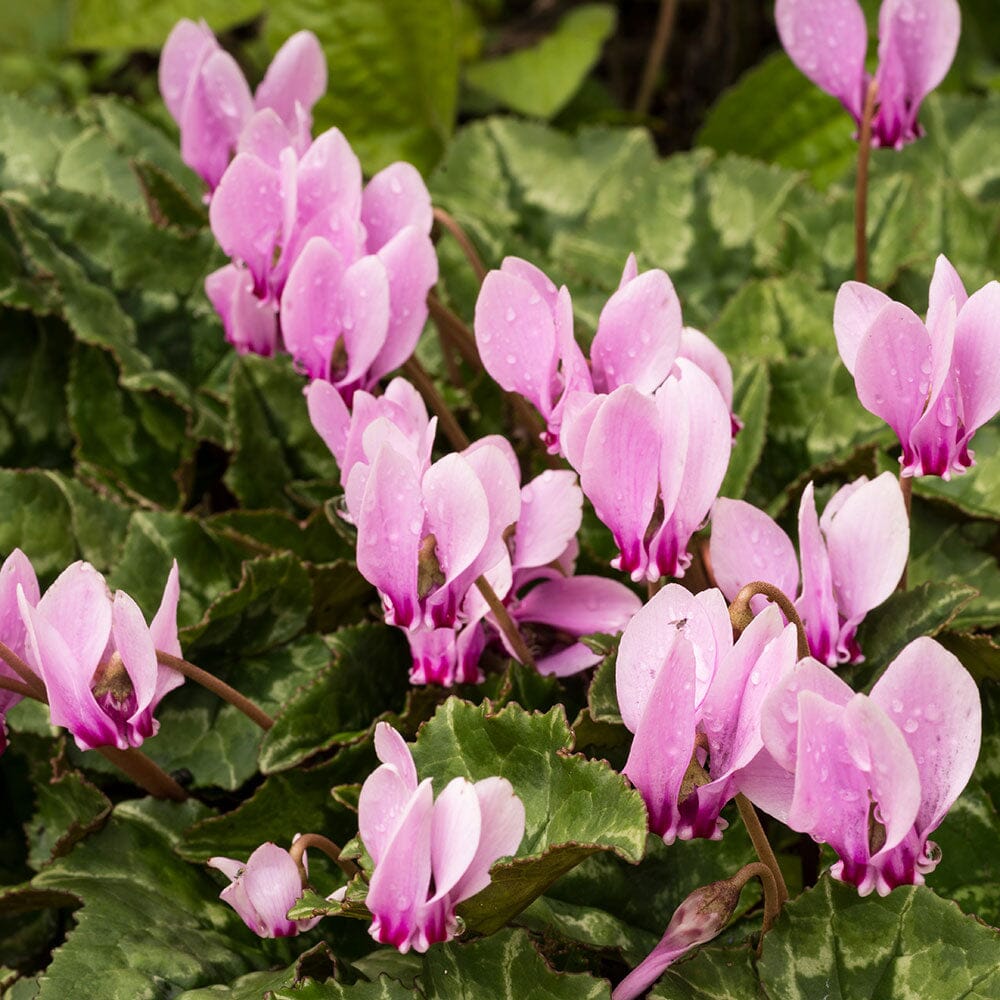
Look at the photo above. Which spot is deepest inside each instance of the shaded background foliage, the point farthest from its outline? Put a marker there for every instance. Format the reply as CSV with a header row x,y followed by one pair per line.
x,y
130,434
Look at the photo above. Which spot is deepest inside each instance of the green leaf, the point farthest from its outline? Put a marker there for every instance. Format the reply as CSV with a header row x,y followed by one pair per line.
x,y
831,942
773,114
980,654
574,807
150,923
67,808
145,24
368,677
711,974
470,971
31,141
751,395
393,73
539,80
602,695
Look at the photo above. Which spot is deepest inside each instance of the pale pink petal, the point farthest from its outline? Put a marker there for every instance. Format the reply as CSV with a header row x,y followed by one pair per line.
x,y
501,832
816,605
932,698
638,334
134,644
516,337
411,266
329,174
392,749
551,514
456,828
945,284
78,604
186,48
331,420
229,867
534,276
272,884
579,410
250,323
393,199
893,369
696,347
296,76
362,309
767,785
828,42
383,802
854,312
746,545
266,136
567,661
868,542
15,572
579,605
976,357
163,631
493,460
619,473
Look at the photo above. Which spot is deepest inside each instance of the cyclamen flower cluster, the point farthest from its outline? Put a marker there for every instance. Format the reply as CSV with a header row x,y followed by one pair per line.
x,y
427,532
645,426
92,650
331,271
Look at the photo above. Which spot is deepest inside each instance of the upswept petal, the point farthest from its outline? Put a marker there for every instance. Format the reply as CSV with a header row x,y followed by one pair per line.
x,y
854,312
495,465
619,473
746,545
976,357
163,631
934,701
186,48
696,347
638,334
385,797
135,646
516,337
265,136
250,323
945,284
534,276
78,605
456,829
550,517
767,785
272,883
296,76
579,410
816,604
331,419
329,174
362,309
393,199
828,42
15,572
868,541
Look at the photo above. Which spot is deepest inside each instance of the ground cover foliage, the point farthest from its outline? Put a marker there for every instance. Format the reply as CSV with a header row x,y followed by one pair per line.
x,y
131,434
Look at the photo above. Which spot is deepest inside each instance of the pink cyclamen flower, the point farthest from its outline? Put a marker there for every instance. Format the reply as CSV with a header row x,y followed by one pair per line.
x,y
429,855
934,383
679,675
828,41
16,573
208,96
852,558
97,656
872,776
263,889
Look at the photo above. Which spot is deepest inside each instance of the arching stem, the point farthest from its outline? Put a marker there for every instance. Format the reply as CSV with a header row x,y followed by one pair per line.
x,y
8,684
418,375
506,623
144,773
447,221
657,52
217,687
328,847
762,846
772,898
741,614
31,680
861,187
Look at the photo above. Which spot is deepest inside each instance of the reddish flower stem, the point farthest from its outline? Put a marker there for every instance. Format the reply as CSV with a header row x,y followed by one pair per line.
x,y
447,221
8,684
30,678
861,186
144,773
657,52
763,848
506,623
328,847
740,613
772,895
217,687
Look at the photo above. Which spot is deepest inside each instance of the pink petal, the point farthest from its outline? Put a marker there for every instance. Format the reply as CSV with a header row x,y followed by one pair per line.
x,y
331,420
638,334
135,645
329,177
868,542
296,76
817,605
250,323
945,284
272,884
495,464
746,545
935,703
411,266
516,337
567,661
393,199
893,368
362,310
385,797
534,276
456,828
976,355
767,785
15,572
186,48
696,347
247,214
619,474
854,312
501,832
828,42
580,605
550,516
163,631
78,604
387,547
265,136
579,410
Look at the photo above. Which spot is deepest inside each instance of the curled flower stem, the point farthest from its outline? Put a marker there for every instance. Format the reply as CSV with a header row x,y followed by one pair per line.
x,y
417,374
906,487
772,898
452,326
328,847
218,687
657,51
144,773
740,613
30,678
861,185
447,221
763,848
506,623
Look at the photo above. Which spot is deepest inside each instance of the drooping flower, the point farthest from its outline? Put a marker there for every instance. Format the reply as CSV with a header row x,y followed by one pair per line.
x,y
828,41
97,656
16,573
852,558
263,889
679,676
934,383
429,855
872,776
208,96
